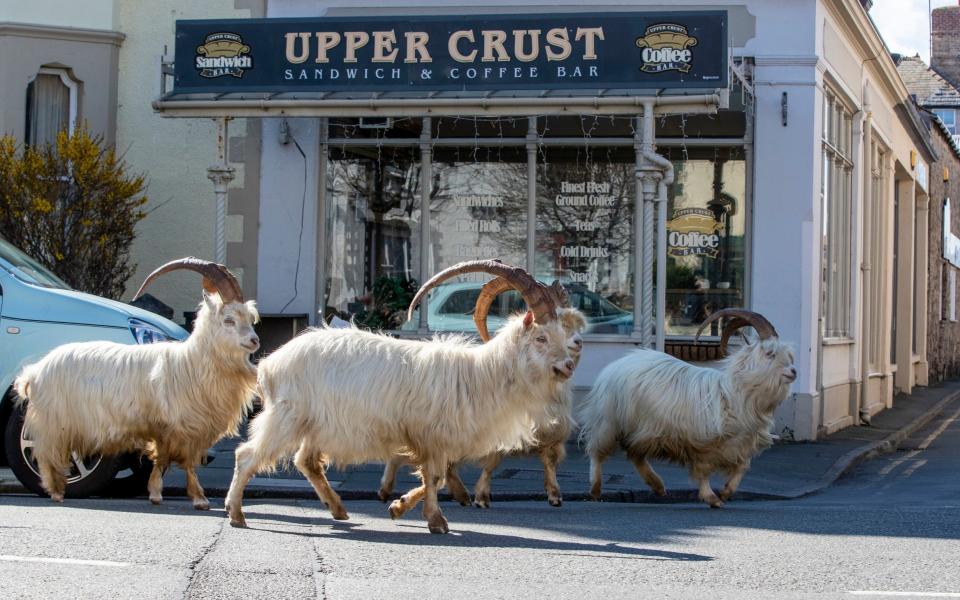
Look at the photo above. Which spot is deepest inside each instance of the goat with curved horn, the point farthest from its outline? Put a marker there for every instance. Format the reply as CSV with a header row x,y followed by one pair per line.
x,y
216,278
537,296
495,287
739,318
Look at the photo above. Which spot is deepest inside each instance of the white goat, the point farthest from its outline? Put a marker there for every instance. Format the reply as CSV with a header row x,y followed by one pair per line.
x,y
550,433
656,406
170,400
350,396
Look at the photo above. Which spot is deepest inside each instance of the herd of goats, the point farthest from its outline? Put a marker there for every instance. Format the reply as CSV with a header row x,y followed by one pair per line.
x,y
341,396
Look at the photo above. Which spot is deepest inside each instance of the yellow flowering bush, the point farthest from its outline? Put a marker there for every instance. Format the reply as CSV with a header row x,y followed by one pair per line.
x,y
74,207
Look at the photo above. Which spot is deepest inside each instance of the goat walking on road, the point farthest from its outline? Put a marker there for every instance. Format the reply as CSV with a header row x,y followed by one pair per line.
x,y
348,396
169,400
656,406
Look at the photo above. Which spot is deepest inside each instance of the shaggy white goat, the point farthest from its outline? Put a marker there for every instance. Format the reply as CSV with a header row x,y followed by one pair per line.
x,y
550,433
350,396
656,406
170,400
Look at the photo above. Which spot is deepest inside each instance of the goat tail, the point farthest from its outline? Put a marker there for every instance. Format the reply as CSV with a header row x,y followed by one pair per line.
x,y
24,382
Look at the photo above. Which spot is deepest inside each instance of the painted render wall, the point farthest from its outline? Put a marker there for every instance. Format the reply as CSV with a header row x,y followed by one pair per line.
x,y
174,153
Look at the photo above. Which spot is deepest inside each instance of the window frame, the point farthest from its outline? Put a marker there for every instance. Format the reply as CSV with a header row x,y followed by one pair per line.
x,y
837,215
429,140
73,101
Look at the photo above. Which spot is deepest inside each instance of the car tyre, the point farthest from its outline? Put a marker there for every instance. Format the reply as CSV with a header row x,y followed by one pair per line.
x,y
88,477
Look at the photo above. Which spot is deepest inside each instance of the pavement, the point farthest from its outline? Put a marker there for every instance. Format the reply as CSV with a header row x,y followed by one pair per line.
x,y
787,470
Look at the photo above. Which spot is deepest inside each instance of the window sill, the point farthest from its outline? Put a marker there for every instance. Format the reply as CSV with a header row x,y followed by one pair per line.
x,y
845,341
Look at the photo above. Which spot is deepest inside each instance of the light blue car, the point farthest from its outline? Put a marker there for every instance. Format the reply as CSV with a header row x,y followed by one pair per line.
x,y
451,309
38,312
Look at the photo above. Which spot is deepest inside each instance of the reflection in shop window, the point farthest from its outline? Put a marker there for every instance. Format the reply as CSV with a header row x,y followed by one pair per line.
x,y
373,214
706,236
585,200
478,209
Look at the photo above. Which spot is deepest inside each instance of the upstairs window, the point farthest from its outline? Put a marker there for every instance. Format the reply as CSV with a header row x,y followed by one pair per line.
x,y
51,106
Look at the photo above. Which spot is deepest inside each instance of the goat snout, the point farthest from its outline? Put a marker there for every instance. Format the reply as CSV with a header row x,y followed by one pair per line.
x,y
790,374
576,344
565,369
252,344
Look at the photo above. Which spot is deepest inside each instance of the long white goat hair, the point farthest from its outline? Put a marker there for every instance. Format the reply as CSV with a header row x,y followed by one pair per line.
x,y
170,400
548,435
350,396
656,406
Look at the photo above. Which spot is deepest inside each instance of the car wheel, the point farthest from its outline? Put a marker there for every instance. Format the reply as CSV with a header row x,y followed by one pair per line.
x,y
86,477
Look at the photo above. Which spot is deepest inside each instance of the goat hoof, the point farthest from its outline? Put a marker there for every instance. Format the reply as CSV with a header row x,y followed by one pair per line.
x,y
384,495
203,504
438,524
58,498
716,503
396,509
555,502
662,492
481,503
340,515
239,523
155,500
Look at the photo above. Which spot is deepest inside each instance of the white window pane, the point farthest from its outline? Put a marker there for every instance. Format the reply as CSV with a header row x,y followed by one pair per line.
x,y
48,111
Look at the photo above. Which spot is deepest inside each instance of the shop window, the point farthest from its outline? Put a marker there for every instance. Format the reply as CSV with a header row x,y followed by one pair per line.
x,y
585,205
51,106
837,216
706,236
478,210
373,234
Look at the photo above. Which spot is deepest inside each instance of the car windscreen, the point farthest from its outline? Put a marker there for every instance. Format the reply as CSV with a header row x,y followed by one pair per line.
x,y
27,269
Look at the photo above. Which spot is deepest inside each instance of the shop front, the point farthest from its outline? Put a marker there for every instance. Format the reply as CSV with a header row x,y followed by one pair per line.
x,y
660,165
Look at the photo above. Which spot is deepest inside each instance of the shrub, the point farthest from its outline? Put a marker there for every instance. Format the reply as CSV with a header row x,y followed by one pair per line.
x,y
74,207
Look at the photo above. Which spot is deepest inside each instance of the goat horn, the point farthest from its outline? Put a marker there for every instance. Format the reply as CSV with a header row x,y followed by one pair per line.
x,y
216,278
495,287
488,294
534,293
739,318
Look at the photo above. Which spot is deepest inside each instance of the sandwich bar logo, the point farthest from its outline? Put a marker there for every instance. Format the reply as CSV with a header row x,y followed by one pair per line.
x,y
693,232
223,54
666,47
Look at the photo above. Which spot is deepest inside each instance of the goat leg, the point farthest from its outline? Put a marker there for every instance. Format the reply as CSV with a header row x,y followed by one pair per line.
x,y
310,463
551,456
643,467
431,506
733,482
389,477
481,492
701,474
456,487
194,490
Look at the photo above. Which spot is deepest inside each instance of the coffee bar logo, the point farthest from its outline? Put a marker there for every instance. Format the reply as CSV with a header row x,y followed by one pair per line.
x,y
693,232
666,47
223,54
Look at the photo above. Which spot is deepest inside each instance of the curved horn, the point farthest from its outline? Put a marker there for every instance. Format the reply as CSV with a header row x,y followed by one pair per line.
x,y
534,293
738,318
488,293
495,287
216,278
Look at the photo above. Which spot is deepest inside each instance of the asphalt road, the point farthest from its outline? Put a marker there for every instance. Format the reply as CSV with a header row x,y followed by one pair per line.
x,y
890,530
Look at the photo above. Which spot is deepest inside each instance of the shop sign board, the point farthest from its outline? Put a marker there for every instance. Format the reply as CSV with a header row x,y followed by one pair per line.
x,y
626,50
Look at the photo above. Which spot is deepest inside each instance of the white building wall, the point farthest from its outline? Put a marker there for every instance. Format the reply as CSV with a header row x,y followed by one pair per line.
x,y
88,14
174,153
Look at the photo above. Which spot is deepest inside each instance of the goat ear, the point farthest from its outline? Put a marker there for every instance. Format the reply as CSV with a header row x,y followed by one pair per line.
x,y
528,319
210,301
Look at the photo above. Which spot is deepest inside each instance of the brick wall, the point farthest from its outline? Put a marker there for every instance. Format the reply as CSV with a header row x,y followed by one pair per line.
x,y
943,335
945,57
